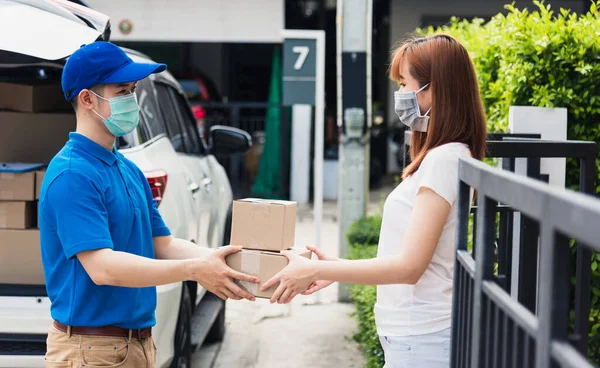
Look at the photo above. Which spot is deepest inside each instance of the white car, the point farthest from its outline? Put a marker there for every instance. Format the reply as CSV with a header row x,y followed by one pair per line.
x,y
191,187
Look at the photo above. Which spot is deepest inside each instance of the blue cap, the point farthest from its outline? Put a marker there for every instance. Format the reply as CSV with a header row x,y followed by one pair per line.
x,y
102,63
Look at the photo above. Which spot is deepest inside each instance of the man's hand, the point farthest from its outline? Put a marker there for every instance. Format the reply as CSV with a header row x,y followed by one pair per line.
x,y
215,276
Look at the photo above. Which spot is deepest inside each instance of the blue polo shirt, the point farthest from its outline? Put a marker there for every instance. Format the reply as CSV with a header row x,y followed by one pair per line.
x,y
92,198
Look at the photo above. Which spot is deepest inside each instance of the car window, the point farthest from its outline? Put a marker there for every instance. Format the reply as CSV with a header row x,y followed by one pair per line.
x,y
170,117
150,117
188,123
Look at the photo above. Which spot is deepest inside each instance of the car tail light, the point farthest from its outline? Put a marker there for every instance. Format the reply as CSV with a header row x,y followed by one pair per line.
x,y
158,184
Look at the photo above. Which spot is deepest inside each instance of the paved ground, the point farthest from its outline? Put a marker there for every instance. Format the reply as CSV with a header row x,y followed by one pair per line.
x,y
312,331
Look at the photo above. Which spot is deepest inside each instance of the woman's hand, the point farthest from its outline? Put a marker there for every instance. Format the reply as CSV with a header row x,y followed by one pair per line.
x,y
294,279
319,284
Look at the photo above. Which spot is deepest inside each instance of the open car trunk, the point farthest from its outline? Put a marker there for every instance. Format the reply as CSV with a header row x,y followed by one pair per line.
x,y
35,121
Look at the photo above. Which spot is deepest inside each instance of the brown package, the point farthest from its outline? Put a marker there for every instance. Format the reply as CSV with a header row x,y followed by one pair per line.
x,y
263,224
35,97
20,257
39,178
262,264
33,138
17,215
17,186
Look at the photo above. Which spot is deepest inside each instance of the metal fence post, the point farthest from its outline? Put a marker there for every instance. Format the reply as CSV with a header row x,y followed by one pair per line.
x,y
486,232
587,180
528,250
554,293
462,235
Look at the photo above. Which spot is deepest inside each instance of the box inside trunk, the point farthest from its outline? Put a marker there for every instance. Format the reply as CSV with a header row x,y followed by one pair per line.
x,y
33,131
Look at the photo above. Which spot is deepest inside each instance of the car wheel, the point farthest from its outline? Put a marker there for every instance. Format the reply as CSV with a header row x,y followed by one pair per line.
x,y
183,332
217,331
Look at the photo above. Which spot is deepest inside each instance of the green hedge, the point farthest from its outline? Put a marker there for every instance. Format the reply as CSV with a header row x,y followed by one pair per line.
x,y
363,237
547,59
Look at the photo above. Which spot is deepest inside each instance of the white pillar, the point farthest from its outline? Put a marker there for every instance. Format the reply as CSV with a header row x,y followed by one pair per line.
x,y
300,165
551,123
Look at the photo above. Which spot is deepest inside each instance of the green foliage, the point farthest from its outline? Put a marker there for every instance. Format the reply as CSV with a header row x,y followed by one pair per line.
x,y
365,231
536,58
364,296
547,59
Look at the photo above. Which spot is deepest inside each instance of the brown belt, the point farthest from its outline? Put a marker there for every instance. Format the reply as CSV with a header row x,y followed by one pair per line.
x,y
114,331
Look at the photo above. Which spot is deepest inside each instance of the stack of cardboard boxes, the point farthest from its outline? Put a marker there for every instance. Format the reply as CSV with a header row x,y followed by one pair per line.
x,y
263,228
20,259
35,121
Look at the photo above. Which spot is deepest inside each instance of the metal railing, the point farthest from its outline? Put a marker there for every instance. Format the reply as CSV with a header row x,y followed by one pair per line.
x,y
490,328
251,117
532,150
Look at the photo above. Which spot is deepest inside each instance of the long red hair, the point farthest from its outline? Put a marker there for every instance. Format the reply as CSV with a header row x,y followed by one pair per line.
x,y
456,109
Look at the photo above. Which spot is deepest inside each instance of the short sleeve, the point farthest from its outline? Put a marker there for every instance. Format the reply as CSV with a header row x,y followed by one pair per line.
x,y
75,205
159,228
440,174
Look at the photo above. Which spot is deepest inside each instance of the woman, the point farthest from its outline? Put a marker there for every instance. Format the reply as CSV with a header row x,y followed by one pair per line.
x,y
439,100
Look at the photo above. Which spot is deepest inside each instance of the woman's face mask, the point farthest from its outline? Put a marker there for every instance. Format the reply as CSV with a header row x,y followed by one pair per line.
x,y
124,114
407,109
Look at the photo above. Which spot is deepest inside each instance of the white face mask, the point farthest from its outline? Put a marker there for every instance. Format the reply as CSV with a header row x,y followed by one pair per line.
x,y
407,109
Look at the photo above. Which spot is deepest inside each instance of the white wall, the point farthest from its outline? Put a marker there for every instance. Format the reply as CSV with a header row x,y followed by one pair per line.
x,y
406,16
196,20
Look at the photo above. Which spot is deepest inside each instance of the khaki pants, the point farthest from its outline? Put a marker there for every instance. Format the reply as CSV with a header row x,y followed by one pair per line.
x,y
79,351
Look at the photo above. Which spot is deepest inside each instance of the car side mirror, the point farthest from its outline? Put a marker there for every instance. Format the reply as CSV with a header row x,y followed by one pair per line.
x,y
228,141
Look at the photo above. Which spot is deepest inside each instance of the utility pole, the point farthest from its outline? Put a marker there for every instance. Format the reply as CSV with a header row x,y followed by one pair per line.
x,y
354,28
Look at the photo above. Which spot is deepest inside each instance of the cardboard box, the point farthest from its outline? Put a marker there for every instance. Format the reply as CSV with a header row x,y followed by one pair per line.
x,y
262,264
263,224
20,257
17,186
33,97
17,215
28,137
39,178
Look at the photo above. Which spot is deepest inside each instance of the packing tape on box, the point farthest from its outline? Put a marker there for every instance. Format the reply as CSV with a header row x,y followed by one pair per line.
x,y
250,266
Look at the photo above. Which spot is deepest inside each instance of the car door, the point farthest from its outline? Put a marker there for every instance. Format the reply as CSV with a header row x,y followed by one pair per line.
x,y
188,147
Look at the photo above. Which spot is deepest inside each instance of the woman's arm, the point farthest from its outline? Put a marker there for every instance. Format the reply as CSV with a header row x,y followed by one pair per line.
x,y
422,235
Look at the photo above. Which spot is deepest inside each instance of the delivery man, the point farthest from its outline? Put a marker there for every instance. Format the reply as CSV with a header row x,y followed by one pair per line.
x,y
104,244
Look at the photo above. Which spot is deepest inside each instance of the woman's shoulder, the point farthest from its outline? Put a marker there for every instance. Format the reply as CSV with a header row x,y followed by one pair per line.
x,y
449,150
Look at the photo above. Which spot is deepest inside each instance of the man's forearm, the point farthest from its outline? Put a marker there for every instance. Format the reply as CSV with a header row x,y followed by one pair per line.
x,y
175,248
108,267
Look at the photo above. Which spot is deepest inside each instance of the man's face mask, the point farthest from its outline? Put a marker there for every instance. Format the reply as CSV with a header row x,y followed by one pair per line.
x,y
124,114
407,109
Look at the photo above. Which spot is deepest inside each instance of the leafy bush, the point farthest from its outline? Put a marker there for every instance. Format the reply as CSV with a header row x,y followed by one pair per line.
x,y
536,58
365,231
547,59
363,237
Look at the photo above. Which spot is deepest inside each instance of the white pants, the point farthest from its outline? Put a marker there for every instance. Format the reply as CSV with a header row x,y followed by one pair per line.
x,y
419,351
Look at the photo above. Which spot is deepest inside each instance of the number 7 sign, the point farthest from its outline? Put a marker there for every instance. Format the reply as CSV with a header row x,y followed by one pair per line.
x,y
300,57
302,54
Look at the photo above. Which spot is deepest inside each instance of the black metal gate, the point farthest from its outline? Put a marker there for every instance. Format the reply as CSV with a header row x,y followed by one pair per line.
x,y
492,329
